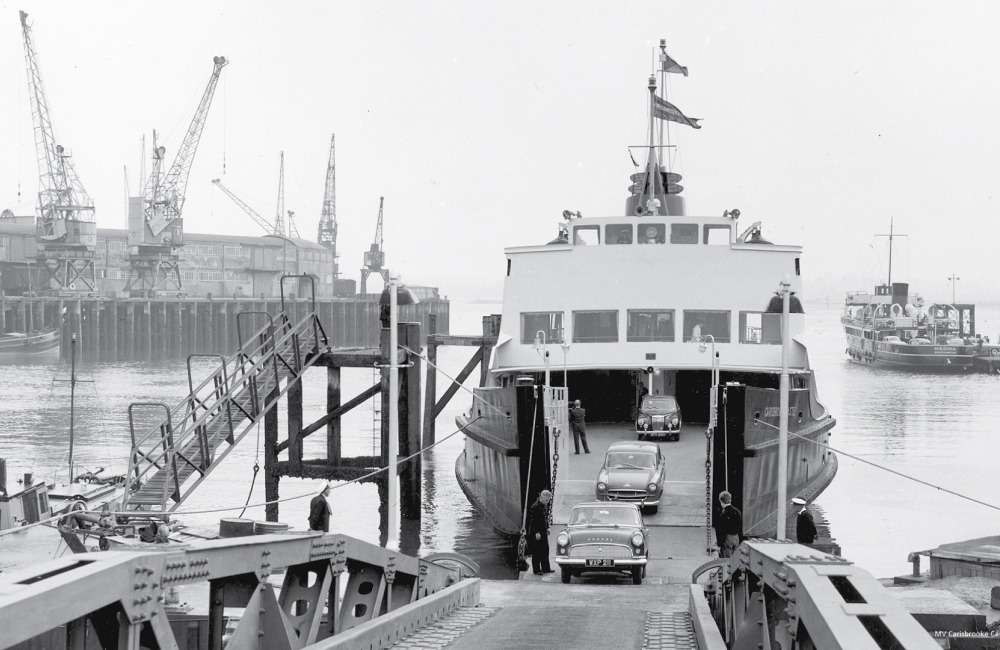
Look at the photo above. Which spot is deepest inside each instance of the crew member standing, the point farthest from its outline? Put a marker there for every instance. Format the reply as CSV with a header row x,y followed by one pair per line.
x,y
728,525
319,511
577,420
805,527
538,533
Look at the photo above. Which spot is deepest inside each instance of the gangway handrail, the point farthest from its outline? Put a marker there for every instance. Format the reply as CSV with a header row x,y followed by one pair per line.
x,y
194,423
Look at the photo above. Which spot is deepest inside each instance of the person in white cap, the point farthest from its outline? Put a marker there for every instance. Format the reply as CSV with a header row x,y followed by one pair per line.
x,y
805,527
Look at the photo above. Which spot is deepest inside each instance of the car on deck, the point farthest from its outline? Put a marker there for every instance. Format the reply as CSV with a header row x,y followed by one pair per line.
x,y
632,471
603,537
659,417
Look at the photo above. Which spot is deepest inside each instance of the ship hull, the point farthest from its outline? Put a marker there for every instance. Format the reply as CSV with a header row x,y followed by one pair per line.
x,y
32,347
918,358
493,469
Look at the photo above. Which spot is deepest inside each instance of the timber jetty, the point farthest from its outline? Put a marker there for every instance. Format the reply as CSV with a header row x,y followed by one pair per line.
x,y
151,329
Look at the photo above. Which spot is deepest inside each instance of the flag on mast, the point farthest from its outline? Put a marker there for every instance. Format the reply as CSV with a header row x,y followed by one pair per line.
x,y
669,65
667,111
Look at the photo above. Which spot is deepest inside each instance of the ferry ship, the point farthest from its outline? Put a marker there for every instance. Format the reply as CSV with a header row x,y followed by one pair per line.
x,y
892,328
629,304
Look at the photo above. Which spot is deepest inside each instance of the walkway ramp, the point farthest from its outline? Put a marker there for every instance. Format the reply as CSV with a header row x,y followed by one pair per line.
x,y
185,443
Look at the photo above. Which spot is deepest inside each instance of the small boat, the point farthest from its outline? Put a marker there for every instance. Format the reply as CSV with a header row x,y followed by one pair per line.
x,y
892,328
28,347
84,492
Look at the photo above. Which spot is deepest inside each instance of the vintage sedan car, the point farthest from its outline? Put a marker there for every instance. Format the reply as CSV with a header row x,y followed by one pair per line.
x,y
632,471
659,417
604,538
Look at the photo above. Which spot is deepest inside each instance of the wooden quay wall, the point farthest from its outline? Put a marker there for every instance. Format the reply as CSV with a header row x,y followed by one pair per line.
x,y
151,329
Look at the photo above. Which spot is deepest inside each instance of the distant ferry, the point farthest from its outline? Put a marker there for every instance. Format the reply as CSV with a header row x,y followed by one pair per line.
x,y
892,328
627,305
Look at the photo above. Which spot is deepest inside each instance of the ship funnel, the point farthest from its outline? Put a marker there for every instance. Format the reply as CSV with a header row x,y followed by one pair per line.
x,y
900,293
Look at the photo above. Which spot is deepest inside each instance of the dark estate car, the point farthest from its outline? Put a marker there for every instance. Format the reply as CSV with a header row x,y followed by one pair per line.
x,y
632,471
605,538
659,417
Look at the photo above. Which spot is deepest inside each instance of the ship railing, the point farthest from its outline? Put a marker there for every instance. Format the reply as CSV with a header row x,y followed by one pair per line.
x,y
184,441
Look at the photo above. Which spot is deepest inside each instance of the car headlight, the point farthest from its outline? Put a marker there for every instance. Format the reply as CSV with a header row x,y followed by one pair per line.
x,y
643,422
602,486
676,421
637,539
562,540
651,487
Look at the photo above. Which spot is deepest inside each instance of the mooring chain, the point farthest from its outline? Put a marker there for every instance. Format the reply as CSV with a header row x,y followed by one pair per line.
x,y
708,489
555,469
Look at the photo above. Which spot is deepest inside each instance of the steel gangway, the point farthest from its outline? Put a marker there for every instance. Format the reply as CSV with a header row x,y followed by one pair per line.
x,y
171,458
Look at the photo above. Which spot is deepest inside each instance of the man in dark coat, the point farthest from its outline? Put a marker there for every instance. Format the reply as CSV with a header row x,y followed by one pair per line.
x,y
805,527
577,420
728,526
538,533
319,511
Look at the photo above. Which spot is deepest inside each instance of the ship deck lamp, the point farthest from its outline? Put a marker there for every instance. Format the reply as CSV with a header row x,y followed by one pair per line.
x,y
539,346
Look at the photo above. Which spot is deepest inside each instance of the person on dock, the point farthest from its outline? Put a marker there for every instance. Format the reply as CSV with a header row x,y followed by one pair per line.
x,y
577,420
728,525
319,511
805,527
538,533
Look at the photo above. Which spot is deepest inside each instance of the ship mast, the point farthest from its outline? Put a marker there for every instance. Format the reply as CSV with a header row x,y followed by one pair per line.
x,y
890,251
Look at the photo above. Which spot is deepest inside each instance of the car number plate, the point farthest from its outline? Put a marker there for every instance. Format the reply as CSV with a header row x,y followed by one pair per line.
x,y
600,562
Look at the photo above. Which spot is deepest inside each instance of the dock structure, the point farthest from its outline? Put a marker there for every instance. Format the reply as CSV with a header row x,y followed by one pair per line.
x,y
155,329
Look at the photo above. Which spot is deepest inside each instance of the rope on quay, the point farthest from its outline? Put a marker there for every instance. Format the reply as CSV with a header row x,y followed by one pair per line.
x,y
891,471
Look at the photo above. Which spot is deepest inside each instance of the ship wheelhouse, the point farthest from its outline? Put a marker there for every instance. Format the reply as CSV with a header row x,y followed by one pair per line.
x,y
622,306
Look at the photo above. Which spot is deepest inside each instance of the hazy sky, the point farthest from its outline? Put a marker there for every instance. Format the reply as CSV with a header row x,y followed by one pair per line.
x,y
481,122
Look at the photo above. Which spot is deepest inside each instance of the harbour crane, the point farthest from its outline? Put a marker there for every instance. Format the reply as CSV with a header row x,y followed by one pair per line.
x,y
327,236
279,217
261,221
66,231
375,256
156,230
278,227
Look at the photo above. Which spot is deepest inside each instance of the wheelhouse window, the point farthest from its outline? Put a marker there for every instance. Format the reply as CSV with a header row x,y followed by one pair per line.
x,y
549,322
758,327
683,233
699,324
595,326
650,325
586,235
620,233
652,233
716,235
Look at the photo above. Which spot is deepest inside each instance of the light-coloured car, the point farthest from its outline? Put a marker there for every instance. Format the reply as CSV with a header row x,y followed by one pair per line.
x,y
603,537
632,471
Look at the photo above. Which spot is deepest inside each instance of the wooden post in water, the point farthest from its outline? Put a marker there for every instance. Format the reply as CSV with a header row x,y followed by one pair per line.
x,y
129,337
224,329
271,475
431,390
333,451
147,331
409,425
78,324
294,427
113,343
3,313
209,325
95,330
63,332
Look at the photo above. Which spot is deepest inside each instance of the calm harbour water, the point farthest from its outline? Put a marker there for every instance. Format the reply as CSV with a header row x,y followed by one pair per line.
x,y
940,429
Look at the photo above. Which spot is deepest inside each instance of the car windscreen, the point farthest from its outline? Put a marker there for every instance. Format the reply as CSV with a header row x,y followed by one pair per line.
x,y
630,460
604,515
660,403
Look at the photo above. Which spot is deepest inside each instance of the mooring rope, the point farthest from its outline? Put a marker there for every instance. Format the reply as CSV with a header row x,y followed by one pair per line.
x,y
453,380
